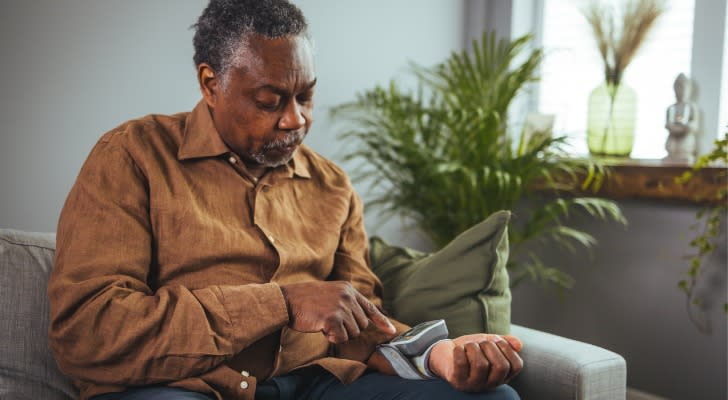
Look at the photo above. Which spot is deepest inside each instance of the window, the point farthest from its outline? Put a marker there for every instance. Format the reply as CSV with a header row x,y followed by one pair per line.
x,y
723,122
572,67
691,38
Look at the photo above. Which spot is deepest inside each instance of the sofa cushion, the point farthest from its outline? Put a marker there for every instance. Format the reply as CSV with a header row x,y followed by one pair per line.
x,y
27,368
465,283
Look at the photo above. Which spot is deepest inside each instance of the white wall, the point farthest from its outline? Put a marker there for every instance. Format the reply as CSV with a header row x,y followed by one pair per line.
x,y
74,69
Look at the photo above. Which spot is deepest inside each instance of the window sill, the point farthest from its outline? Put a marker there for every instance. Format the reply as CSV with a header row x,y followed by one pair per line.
x,y
655,179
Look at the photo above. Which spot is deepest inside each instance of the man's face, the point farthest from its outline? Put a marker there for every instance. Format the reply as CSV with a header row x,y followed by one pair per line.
x,y
264,108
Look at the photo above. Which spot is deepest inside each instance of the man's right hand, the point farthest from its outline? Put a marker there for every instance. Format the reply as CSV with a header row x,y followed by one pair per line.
x,y
477,362
336,309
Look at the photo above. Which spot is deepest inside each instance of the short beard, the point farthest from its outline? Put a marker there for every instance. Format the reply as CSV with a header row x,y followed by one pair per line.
x,y
261,157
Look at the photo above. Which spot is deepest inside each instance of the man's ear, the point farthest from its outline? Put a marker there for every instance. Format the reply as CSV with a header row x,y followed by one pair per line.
x,y
209,84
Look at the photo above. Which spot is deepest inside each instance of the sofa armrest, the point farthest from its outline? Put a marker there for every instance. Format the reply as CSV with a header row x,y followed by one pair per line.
x,y
559,368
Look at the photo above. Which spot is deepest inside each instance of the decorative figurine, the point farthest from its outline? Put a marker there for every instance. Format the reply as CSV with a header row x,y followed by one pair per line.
x,y
682,123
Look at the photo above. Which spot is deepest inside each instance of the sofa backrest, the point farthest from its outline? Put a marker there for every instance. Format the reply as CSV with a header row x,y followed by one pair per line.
x,y
27,368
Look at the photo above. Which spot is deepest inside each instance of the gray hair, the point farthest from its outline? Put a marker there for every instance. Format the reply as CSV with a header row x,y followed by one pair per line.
x,y
225,26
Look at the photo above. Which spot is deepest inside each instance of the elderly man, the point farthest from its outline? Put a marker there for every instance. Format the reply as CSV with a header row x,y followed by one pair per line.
x,y
212,255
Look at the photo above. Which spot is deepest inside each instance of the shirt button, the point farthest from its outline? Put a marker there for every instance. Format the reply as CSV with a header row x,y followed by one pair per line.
x,y
243,385
265,188
232,160
245,373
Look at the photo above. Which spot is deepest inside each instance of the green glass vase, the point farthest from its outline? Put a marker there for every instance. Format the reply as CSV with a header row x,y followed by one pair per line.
x,y
612,117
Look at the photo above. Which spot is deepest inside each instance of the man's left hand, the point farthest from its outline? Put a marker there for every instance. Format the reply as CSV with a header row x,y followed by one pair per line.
x,y
475,363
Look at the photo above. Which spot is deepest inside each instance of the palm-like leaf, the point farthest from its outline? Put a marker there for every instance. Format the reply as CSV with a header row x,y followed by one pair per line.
x,y
442,155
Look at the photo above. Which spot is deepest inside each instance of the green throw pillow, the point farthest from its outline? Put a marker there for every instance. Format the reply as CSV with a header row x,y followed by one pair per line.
x,y
465,283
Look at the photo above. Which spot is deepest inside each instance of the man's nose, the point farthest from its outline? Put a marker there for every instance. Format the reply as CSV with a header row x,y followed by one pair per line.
x,y
292,117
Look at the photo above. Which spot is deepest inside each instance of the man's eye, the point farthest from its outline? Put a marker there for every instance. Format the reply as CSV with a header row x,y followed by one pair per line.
x,y
268,101
304,98
268,106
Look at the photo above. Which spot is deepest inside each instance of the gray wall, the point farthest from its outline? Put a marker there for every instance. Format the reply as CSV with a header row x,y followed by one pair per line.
x,y
75,69
626,299
71,71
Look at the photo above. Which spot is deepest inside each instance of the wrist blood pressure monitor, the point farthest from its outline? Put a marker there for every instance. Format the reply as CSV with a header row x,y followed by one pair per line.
x,y
409,352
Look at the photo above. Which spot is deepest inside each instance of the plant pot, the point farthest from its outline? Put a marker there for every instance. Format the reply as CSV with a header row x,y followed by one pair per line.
x,y
612,118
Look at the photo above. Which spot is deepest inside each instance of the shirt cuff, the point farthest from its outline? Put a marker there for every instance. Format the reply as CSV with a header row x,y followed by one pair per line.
x,y
254,310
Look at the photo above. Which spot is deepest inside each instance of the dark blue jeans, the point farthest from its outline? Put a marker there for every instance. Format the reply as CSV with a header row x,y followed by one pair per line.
x,y
324,386
153,393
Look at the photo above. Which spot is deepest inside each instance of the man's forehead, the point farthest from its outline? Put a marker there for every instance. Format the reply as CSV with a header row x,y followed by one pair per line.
x,y
279,58
285,50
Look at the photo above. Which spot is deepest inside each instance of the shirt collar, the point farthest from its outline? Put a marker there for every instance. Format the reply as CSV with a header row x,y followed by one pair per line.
x,y
201,139
299,163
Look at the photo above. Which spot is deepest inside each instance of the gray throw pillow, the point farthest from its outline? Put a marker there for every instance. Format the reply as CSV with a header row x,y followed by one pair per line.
x,y
465,283
27,368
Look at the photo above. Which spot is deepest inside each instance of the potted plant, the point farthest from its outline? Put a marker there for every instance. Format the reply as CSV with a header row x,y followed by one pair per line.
x,y
442,156
613,105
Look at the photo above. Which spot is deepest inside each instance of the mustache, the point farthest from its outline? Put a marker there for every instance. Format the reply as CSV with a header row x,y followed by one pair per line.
x,y
290,140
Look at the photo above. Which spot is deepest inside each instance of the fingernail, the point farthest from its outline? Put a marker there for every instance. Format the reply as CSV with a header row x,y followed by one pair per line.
x,y
499,338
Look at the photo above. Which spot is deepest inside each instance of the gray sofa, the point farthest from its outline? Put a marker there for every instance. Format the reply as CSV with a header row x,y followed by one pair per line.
x,y
555,367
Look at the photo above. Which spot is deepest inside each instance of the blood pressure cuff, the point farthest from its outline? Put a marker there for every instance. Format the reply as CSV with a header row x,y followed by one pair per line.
x,y
416,367
409,353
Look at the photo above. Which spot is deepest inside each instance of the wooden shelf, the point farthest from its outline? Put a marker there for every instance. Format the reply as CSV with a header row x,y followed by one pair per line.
x,y
655,179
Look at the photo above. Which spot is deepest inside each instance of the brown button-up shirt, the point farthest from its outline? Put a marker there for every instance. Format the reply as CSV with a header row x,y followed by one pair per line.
x,y
170,255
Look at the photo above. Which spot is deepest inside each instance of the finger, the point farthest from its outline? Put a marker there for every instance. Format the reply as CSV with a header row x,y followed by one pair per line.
x,y
334,331
513,358
375,315
460,368
472,338
351,326
479,337
479,367
514,342
499,365
360,316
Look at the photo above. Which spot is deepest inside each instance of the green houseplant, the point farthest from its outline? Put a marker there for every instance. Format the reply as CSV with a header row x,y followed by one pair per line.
x,y
707,225
443,157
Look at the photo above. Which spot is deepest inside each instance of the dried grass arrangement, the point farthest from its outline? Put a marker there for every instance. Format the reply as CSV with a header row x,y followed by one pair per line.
x,y
619,35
